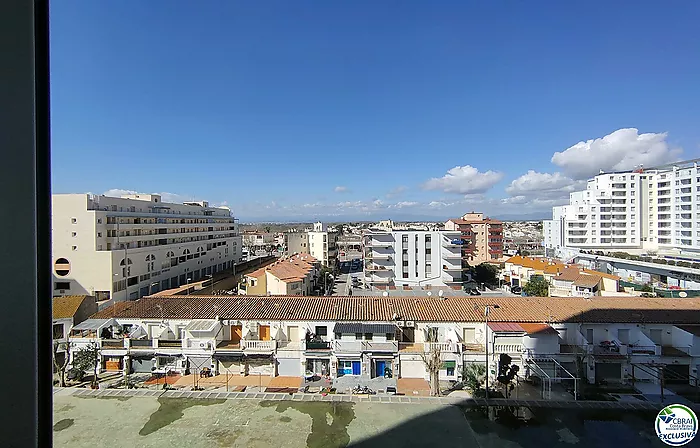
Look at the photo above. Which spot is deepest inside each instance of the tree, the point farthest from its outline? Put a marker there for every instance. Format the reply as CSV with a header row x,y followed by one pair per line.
x,y
485,273
267,229
537,287
61,366
473,376
433,361
88,358
646,288
507,373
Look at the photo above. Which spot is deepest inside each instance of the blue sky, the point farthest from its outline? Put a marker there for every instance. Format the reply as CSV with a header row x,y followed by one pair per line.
x,y
295,110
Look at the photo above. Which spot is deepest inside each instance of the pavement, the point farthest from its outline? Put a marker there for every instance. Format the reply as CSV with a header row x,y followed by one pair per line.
x,y
144,418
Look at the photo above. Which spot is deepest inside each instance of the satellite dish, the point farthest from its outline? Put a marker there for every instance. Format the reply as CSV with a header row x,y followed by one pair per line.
x,y
441,293
385,294
430,293
683,294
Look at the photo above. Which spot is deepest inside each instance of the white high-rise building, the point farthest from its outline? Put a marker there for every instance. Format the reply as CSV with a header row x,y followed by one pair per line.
x,y
650,209
134,245
412,258
322,244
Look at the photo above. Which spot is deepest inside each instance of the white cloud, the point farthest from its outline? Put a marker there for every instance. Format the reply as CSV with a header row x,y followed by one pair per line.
x,y
404,204
165,196
396,191
621,150
464,180
340,189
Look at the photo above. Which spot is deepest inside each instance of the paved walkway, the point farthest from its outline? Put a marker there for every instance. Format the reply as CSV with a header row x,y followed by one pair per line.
x,y
399,399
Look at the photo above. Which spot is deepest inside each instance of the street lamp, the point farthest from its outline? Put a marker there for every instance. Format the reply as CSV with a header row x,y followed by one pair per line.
x,y
487,308
189,279
325,283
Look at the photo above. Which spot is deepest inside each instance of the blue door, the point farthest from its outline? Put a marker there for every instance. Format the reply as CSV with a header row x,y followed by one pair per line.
x,y
356,367
380,368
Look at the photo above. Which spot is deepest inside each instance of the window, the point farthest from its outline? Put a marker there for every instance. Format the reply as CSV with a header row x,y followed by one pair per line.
x,y
99,234
99,220
58,331
405,275
74,220
358,336
74,247
450,371
470,335
368,336
74,234
405,262
61,285
404,239
427,239
322,331
428,269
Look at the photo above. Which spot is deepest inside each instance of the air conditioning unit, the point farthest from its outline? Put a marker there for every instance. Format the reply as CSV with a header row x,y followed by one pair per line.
x,y
410,324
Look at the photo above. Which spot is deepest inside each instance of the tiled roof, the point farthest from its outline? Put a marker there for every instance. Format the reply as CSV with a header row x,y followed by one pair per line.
x,y
587,281
66,306
426,309
537,328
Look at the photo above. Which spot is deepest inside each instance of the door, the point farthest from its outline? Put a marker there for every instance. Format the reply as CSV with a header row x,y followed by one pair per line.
x,y
412,369
288,367
379,370
293,334
589,335
356,368
236,333
264,332
408,335
655,336
608,372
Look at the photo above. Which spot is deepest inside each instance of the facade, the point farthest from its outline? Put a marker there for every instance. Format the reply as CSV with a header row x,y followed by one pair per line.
x,y
380,339
412,258
645,209
69,311
128,247
296,243
482,238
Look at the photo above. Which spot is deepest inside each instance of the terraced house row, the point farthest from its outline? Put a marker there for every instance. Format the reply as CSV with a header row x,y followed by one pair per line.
x,y
600,339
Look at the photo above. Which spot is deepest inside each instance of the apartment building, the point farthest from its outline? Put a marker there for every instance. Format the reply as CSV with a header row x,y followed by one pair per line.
x,y
128,247
644,209
412,258
323,244
482,237
296,243
259,240
67,312
612,340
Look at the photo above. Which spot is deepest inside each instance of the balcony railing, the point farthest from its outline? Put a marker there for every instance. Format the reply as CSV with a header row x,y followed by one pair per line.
x,y
170,343
141,343
448,347
113,343
508,348
644,350
317,345
348,346
265,346
389,346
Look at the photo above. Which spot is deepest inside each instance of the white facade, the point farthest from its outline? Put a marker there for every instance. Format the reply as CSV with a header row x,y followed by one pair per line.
x,y
102,243
322,244
412,258
651,210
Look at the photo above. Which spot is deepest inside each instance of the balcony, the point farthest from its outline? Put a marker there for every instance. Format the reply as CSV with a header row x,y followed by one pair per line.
x,y
169,343
289,346
228,346
114,343
508,348
376,267
455,242
645,350
448,267
258,346
445,347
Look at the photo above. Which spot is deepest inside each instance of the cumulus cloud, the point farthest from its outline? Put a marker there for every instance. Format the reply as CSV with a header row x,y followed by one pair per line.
x,y
404,204
340,189
464,180
544,185
621,150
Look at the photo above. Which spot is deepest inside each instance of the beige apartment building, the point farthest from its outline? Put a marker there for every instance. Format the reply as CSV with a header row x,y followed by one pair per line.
x,y
131,246
482,238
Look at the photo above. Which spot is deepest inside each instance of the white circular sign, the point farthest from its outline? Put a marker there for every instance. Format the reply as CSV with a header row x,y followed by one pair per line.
x,y
676,425
683,294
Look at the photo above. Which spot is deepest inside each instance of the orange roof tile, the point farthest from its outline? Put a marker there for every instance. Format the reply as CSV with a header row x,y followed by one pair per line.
x,y
66,306
426,309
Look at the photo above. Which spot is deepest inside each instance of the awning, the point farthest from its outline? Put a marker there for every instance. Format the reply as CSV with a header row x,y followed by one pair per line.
x,y
201,326
228,356
449,364
359,327
90,324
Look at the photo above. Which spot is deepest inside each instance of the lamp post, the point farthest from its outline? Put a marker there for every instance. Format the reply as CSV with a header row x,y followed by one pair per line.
x,y
189,279
325,283
487,308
